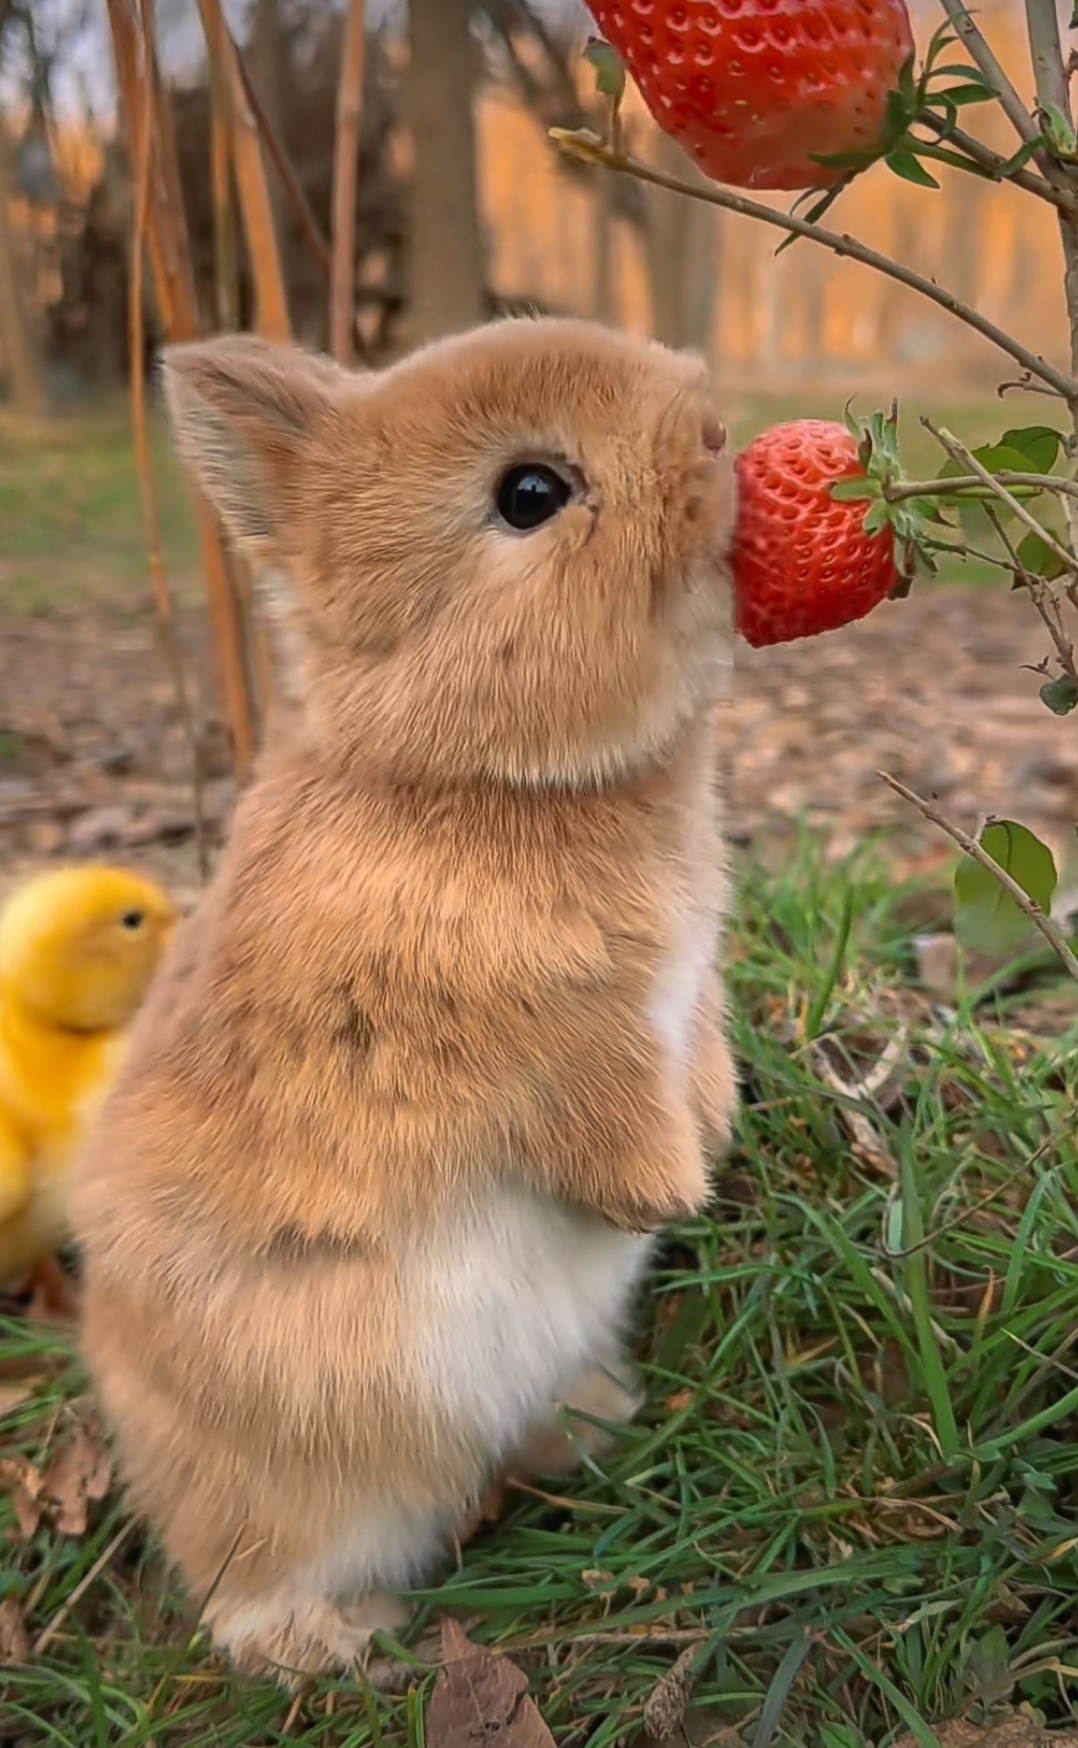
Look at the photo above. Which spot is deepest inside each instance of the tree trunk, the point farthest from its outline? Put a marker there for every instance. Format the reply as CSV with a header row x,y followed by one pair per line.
x,y
22,361
446,254
681,236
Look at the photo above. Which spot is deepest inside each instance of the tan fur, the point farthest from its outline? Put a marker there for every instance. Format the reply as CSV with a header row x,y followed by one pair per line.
x,y
445,1032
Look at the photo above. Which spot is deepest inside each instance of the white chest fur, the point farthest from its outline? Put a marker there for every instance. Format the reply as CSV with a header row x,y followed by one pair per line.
x,y
511,1303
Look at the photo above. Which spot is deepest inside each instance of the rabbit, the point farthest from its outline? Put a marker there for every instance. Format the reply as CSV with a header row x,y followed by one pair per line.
x,y
444,1046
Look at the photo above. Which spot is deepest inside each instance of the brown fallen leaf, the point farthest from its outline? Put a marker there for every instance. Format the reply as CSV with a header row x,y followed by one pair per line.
x,y
14,1639
1014,1731
664,1708
79,1475
24,1483
481,1700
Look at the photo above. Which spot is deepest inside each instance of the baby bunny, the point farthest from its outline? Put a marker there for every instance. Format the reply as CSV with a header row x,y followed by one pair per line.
x,y
444,1044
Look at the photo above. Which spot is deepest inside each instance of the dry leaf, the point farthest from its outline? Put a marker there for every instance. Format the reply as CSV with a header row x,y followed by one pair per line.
x,y
664,1708
481,1700
79,1475
23,1481
14,1639
1015,1731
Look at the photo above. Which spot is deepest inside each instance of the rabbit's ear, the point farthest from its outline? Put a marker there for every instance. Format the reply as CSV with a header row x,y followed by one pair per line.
x,y
242,413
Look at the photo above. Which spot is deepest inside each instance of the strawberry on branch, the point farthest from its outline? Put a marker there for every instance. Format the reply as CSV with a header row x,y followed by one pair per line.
x,y
806,95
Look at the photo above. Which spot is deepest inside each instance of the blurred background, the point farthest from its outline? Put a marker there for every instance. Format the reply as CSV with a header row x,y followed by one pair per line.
x,y
464,210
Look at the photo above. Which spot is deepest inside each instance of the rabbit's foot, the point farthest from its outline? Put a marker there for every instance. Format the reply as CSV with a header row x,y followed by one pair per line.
x,y
605,1392
304,1637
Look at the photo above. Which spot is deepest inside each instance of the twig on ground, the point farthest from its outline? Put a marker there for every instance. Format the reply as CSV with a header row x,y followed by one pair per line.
x,y
46,1637
1052,934
590,149
162,594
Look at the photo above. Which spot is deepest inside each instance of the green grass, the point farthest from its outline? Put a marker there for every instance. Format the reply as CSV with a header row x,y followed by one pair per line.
x,y
71,513
855,1483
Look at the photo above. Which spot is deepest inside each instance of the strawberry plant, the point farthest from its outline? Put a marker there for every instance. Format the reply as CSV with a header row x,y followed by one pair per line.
x,y
807,95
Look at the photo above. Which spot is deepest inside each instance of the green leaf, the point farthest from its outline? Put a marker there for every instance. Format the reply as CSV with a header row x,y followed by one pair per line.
x,y
963,70
1039,444
904,163
847,491
1060,695
961,95
1001,458
609,69
1027,150
1036,556
987,918
876,518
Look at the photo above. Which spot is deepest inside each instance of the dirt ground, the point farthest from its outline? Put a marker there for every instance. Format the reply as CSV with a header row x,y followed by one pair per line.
x,y
93,760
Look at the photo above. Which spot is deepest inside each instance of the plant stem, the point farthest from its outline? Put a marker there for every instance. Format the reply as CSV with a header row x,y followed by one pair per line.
x,y
1052,934
588,148
1041,593
993,163
342,287
289,181
142,127
965,483
982,56
958,452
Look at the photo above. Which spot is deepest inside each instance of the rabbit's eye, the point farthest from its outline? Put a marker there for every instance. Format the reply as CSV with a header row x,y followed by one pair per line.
x,y
531,494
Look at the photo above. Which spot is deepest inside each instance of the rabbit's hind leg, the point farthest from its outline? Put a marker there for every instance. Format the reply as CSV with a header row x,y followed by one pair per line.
x,y
290,1636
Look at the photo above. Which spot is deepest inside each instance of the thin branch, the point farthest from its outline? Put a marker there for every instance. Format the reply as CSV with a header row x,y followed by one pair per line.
x,y
162,595
301,206
1052,934
45,1638
994,164
1041,593
965,458
1046,51
342,284
589,148
928,488
981,55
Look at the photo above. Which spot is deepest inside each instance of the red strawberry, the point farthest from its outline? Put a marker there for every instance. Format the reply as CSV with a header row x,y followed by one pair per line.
x,y
752,87
802,562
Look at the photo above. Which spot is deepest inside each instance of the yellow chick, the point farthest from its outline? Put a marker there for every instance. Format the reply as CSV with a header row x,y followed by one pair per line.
x,y
78,948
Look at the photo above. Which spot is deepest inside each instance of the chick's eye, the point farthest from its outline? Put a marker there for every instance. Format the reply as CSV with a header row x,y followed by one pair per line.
x,y
132,919
530,495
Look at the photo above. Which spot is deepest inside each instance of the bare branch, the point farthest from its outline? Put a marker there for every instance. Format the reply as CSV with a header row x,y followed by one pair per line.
x,y
982,56
1046,50
590,149
1053,935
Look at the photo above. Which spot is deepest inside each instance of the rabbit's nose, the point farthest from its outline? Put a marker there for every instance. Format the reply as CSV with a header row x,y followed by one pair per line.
x,y
714,436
